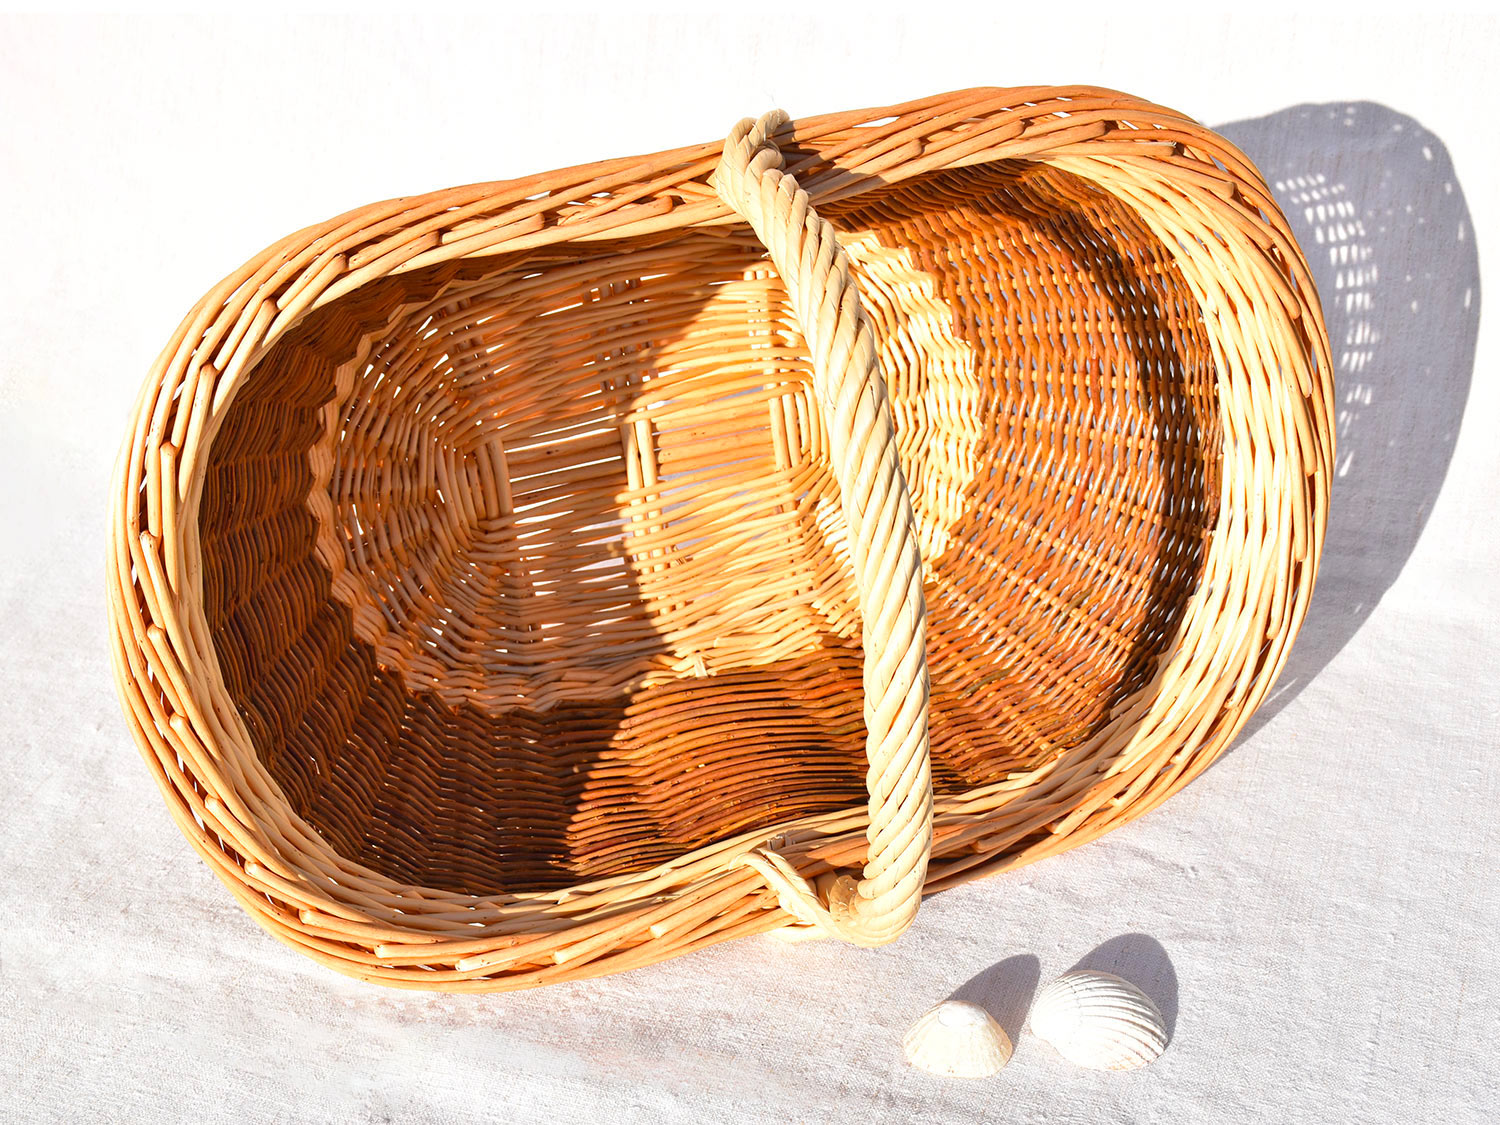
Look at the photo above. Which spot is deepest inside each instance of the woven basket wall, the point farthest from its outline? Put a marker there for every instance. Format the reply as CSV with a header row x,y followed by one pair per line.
x,y
538,579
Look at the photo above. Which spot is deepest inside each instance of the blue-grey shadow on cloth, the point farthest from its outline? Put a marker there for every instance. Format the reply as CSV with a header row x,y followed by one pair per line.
x,y
1004,990
1372,198
1140,959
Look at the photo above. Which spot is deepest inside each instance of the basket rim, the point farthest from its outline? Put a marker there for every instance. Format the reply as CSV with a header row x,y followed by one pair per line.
x,y
1199,195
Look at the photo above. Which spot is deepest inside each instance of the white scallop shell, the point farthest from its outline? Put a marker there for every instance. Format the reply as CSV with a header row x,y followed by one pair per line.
x,y
1099,1021
957,1040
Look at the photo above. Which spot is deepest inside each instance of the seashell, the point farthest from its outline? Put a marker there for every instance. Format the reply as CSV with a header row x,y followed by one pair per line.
x,y
957,1040
1099,1021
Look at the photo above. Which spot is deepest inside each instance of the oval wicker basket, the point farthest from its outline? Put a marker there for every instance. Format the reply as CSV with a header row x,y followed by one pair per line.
x,y
538,579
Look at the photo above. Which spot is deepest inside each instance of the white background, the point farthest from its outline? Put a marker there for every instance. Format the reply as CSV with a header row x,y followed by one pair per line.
x,y
1317,913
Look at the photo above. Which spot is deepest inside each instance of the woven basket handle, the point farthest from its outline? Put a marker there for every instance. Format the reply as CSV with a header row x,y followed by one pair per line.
x,y
883,536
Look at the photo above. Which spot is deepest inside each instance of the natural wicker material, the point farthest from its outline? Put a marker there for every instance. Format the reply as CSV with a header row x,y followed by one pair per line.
x,y
526,581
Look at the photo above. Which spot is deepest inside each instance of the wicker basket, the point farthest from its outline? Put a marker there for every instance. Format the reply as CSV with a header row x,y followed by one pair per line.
x,y
538,579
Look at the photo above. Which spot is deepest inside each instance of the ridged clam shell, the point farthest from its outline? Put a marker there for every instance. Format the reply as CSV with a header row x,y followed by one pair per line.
x,y
957,1040
1099,1021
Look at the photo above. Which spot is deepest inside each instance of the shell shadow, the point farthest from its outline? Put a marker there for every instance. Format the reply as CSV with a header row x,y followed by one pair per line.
x,y
1375,203
1140,959
1004,990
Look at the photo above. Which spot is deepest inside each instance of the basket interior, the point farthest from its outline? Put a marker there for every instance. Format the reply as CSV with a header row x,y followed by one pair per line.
x,y
530,569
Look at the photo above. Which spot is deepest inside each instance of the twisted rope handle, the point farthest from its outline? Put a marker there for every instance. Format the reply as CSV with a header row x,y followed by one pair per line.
x,y
883,536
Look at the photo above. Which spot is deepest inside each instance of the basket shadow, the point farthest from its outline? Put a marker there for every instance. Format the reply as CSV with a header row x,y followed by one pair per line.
x,y
1142,961
1374,202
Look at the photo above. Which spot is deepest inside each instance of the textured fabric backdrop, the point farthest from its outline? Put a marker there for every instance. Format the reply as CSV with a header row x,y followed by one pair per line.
x,y
1316,915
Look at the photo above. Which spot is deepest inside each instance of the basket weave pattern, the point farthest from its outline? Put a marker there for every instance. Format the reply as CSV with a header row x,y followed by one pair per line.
x,y
539,579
